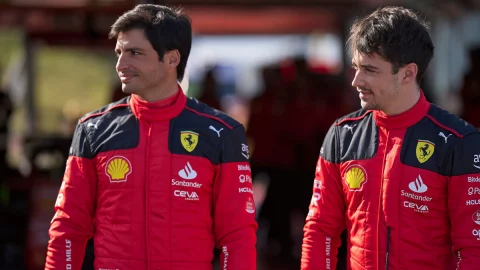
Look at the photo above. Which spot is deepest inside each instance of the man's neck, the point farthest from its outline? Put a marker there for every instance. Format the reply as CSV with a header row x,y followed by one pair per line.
x,y
405,100
161,92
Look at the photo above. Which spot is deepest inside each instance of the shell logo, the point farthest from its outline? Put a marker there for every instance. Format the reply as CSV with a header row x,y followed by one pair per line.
x,y
118,168
355,177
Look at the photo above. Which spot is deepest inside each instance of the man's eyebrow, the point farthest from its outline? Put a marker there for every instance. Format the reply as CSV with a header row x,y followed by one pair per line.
x,y
130,49
134,49
369,66
365,66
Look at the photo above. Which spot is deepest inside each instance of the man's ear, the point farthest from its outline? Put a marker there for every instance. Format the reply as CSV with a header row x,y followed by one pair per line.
x,y
408,73
172,58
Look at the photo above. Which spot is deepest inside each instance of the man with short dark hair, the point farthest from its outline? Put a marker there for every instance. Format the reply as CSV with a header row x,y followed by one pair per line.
x,y
401,175
158,179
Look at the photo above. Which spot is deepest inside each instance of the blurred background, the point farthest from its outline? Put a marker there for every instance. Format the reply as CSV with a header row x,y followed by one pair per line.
x,y
277,66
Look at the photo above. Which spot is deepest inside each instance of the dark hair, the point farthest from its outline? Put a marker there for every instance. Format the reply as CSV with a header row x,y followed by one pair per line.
x,y
166,28
397,34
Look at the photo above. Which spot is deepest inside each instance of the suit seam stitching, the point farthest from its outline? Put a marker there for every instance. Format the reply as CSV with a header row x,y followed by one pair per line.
x,y
88,141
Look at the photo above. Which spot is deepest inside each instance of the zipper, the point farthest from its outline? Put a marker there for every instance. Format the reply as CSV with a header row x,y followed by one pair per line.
x,y
380,202
147,201
388,248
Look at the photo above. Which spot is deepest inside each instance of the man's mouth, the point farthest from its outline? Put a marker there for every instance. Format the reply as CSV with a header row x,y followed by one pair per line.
x,y
124,78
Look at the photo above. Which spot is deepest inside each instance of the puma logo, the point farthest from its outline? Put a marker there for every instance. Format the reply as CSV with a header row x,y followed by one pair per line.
x,y
217,131
350,127
92,125
441,134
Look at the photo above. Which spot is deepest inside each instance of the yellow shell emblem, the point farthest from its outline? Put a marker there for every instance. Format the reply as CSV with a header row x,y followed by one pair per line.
x,y
355,177
189,140
118,168
424,150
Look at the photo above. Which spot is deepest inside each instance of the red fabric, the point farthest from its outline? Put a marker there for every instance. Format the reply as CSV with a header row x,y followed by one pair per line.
x,y
426,240
161,110
152,220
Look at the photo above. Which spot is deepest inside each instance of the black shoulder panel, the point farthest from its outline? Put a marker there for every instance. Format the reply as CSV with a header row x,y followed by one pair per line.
x,y
203,131
202,108
451,121
429,143
465,157
352,137
113,127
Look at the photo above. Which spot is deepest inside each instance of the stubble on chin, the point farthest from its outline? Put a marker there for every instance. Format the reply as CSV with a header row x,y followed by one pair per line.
x,y
128,89
369,105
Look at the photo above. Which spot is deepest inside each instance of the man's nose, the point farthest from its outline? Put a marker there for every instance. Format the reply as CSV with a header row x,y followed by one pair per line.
x,y
357,80
122,62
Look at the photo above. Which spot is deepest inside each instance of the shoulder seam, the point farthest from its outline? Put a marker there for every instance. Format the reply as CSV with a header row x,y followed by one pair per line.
x,y
336,159
209,116
88,141
352,118
104,112
443,126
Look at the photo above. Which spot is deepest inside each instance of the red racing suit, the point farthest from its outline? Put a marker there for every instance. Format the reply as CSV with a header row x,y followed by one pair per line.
x,y
158,185
405,187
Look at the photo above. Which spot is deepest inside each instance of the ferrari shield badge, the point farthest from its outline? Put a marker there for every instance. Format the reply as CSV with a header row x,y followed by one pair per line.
x,y
424,150
189,140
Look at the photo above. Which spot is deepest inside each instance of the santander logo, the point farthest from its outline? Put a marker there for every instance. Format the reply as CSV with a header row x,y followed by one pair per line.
x,y
418,185
188,172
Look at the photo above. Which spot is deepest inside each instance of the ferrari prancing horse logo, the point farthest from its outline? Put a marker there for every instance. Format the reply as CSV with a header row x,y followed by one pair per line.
x,y
189,140
424,150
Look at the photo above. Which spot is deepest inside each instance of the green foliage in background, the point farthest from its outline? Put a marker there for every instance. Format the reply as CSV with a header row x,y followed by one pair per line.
x,y
69,81
10,46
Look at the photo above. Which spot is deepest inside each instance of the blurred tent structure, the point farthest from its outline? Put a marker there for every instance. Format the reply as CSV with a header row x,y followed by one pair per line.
x,y
86,23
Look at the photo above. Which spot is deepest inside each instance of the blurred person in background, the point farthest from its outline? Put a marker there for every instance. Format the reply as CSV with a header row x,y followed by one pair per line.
x,y
209,94
401,174
6,110
470,90
157,179
6,236
268,134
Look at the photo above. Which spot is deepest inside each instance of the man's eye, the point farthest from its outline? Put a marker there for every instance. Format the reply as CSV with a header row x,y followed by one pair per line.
x,y
135,53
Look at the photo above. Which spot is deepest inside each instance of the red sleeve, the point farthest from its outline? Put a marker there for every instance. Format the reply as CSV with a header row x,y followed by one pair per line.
x,y
234,209
325,221
72,224
464,202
